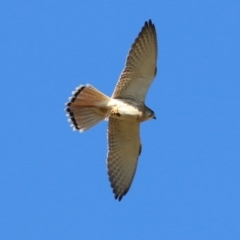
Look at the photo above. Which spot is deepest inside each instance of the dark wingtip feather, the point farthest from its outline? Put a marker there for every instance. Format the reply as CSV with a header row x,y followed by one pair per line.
x,y
119,195
149,24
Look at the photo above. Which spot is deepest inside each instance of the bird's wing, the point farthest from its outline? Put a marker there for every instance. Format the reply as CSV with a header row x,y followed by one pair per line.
x,y
124,147
140,68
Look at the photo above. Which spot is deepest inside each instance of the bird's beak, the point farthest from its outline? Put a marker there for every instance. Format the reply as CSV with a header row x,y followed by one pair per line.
x,y
154,117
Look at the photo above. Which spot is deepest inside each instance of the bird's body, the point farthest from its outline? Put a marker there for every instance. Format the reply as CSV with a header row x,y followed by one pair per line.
x,y
129,110
125,110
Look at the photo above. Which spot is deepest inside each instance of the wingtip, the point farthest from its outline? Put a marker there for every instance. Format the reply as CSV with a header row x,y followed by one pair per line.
x,y
149,23
118,197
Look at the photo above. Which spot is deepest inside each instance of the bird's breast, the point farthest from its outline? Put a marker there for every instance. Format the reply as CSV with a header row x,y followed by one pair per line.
x,y
125,110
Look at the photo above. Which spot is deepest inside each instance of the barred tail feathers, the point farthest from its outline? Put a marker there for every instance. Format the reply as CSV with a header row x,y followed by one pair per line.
x,y
86,107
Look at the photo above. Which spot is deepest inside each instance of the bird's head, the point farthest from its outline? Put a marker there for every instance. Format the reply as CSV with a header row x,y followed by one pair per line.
x,y
150,114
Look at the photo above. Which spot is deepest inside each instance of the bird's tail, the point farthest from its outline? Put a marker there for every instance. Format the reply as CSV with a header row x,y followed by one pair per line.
x,y
86,107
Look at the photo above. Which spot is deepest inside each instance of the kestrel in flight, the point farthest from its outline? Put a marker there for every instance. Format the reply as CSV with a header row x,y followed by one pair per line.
x,y
125,110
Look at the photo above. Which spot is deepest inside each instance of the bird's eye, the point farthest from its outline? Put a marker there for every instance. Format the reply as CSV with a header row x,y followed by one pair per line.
x,y
151,114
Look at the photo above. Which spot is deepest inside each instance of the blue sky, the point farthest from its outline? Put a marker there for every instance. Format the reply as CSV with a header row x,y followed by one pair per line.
x,y
53,181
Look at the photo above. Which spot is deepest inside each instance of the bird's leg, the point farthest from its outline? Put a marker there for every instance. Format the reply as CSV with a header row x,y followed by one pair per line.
x,y
114,111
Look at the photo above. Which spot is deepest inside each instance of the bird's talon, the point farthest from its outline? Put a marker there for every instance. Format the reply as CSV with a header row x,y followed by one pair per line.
x,y
114,111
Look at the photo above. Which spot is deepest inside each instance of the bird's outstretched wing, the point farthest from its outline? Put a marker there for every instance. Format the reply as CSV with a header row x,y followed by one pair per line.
x,y
124,147
140,68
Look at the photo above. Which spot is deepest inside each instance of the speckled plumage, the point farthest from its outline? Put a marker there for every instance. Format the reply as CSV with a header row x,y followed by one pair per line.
x,y
125,110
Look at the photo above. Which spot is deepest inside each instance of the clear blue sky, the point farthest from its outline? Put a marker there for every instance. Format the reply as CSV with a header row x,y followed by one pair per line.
x,y
53,181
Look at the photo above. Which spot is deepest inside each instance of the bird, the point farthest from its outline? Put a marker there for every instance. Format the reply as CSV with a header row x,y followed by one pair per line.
x,y
124,110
